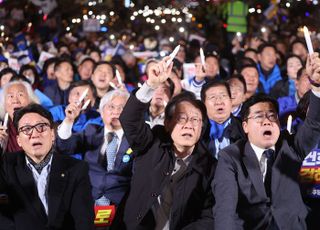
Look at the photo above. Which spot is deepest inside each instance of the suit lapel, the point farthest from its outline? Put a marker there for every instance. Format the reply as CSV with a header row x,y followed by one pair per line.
x,y
28,185
280,153
252,165
101,156
124,145
57,183
230,131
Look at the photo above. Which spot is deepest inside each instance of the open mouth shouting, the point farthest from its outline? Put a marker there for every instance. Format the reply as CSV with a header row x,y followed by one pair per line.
x,y
16,108
187,135
36,145
220,110
267,133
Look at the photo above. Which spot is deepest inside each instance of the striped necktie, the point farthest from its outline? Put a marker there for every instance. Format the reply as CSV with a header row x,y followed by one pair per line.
x,y
111,150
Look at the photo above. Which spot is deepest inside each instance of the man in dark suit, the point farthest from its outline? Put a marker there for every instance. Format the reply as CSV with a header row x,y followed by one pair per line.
x,y
225,128
256,182
110,158
45,190
170,186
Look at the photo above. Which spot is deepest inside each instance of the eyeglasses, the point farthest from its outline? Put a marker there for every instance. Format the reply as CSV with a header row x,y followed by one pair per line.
x,y
259,117
28,129
218,97
237,88
112,107
183,119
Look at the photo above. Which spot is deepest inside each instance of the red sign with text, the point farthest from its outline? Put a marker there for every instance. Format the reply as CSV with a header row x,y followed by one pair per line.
x,y
104,215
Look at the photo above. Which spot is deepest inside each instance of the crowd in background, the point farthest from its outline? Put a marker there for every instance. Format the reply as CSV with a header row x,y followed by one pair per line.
x,y
84,84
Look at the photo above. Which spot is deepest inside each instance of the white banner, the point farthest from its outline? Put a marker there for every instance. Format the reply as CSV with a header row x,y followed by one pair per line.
x,y
43,57
14,64
91,25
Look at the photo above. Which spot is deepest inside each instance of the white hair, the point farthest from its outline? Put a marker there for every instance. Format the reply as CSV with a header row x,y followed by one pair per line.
x,y
32,96
109,96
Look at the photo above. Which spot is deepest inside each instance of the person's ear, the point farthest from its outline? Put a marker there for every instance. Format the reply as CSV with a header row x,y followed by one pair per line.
x,y
259,57
245,127
19,141
53,135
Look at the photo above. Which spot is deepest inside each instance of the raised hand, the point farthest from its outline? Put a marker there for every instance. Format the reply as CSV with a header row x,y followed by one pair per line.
x,y
313,70
72,112
200,72
159,73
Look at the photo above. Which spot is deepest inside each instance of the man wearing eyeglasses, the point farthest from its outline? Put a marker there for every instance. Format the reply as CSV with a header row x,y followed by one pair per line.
x,y
170,186
105,148
256,181
45,190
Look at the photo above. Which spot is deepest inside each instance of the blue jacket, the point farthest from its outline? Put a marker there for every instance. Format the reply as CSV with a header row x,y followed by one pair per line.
x,y
269,81
44,100
287,105
112,184
89,117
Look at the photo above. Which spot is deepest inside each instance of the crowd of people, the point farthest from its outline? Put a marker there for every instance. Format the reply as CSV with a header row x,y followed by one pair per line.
x,y
229,146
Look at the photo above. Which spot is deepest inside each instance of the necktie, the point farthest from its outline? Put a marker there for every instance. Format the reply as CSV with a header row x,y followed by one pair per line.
x,y
102,201
111,150
182,167
165,200
269,154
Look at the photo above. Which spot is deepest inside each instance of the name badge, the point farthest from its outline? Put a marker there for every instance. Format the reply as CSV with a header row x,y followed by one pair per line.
x,y
125,159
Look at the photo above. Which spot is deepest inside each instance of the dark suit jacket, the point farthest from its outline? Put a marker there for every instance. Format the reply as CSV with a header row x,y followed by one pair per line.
x,y
241,200
113,184
58,96
192,200
281,88
70,205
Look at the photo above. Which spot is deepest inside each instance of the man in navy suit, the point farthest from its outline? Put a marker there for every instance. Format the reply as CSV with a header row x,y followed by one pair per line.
x,y
106,148
45,190
225,128
256,181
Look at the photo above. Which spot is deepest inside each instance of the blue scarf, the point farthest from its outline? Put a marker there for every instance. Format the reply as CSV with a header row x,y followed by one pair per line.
x,y
216,130
292,87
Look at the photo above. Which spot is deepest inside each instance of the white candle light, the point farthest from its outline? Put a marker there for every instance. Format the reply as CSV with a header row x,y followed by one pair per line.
x,y
203,59
289,123
113,85
118,77
5,120
308,39
172,55
85,105
83,95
